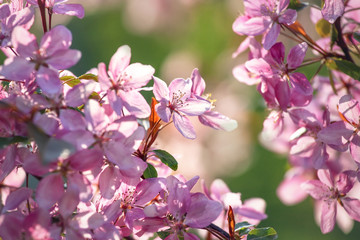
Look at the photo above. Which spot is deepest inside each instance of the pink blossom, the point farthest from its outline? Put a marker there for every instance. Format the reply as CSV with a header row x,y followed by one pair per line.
x,y
332,10
332,192
264,17
123,83
176,102
42,60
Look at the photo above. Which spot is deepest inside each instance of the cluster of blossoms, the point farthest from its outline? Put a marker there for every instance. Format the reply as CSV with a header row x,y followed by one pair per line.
x,y
315,121
88,143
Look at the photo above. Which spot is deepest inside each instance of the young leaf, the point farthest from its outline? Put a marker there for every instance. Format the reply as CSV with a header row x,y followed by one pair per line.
x,y
231,222
167,159
154,117
89,76
242,225
348,68
297,5
267,233
4,141
150,172
163,234
70,80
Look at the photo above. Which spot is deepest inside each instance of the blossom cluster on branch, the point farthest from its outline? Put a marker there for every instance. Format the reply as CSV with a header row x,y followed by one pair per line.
x,y
315,121
88,141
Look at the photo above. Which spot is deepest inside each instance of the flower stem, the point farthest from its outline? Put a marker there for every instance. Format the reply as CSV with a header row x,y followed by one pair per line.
x,y
41,4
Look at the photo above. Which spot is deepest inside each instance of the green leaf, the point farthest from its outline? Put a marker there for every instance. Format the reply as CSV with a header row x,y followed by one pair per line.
x,y
167,159
297,5
50,148
347,67
70,80
150,172
323,28
243,228
89,76
242,225
356,36
267,233
4,141
163,234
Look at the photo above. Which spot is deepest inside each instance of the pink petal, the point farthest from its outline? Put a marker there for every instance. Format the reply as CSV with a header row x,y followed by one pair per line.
x,y
259,66
68,203
24,42
80,185
300,83
328,216
49,191
332,10
119,61
15,198
148,189
109,182
288,17
137,75
184,126
352,207
350,108
296,55
58,38
17,69
355,148
64,59
202,211
103,78
244,76
316,189
135,103
251,27
198,85
48,80
86,159
163,111
160,90
218,121
326,177
69,9
194,107
271,36
290,191
79,94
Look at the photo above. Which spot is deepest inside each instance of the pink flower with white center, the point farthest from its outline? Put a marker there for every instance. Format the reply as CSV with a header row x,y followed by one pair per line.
x,y
123,83
332,192
61,7
176,102
42,60
264,17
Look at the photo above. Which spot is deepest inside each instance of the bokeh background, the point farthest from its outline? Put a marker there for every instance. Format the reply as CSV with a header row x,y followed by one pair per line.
x,y
176,36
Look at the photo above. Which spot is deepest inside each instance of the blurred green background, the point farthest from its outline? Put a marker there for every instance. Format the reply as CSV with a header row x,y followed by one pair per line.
x,y
201,29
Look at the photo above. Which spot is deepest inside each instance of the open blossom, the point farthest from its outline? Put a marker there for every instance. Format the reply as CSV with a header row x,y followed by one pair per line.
x,y
42,60
332,193
176,102
179,209
264,17
251,210
123,83
61,7
9,19
280,82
